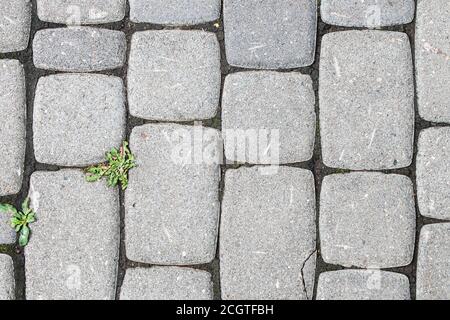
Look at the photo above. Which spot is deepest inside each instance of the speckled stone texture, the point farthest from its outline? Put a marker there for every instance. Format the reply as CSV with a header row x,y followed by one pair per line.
x,y
15,23
7,283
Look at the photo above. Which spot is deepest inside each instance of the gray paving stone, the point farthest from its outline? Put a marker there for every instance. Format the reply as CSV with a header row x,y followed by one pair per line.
x,y
80,12
74,246
433,173
7,234
78,118
7,283
433,263
15,23
259,102
166,283
172,202
174,12
12,129
362,285
270,34
367,220
268,234
367,13
79,49
433,59
366,95
174,75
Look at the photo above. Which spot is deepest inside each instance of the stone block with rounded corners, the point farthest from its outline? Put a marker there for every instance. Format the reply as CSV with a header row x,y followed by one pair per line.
x,y
174,75
367,220
268,234
7,282
172,201
78,118
270,34
266,108
166,283
73,251
15,24
366,95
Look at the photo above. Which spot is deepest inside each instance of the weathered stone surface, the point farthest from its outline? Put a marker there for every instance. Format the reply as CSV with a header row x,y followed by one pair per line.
x,y
366,95
172,204
367,220
367,13
79,49
433,263
433,173
7,283
7,234
433,59
174,12
268,234
166,283
363,285
78,118
74,247
12,129
174,75
270,34
15,23
268,104
78,12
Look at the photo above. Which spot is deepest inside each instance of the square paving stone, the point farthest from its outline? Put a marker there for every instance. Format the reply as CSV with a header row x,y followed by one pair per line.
x,y
7,283
172,201
268,235
433,263
433,59
15,24
363,285
277,107
78,118
79,49
74,245
174,12
174,75
366,95
367,13
270,34
78,12
166,283
367,220
433,173
12,129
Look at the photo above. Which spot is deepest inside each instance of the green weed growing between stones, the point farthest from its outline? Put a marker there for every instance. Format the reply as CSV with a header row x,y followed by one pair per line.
x,y
115,169
20,220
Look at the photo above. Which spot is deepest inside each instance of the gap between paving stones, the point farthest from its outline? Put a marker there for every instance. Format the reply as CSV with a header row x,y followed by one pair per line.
x,y
315,164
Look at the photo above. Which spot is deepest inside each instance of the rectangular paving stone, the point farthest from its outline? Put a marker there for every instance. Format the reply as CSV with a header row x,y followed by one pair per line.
x,y
174,75
367,13
166,283
268,235
367,220
363,285
270,34
433,59
366,94
7,234
12,129
80,12
7,283
174,12
277,107
172,201
433,263
15,24
74,245
79,49
433,173
78,118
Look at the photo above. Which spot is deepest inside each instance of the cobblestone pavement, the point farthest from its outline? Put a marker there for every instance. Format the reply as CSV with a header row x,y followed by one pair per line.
x,y
286,149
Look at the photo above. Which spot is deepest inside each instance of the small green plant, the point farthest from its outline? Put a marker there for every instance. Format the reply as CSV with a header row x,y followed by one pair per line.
x,y
116,168
20,220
